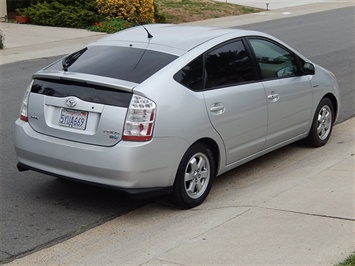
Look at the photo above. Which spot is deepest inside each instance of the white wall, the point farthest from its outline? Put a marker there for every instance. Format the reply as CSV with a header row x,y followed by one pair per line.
x,y
3,10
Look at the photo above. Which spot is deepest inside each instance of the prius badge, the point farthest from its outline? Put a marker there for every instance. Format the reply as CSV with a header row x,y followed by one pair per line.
x,y
112,133
71,102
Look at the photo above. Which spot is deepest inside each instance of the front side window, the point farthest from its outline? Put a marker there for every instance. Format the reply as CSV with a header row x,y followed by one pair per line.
x,y
228,65
274,61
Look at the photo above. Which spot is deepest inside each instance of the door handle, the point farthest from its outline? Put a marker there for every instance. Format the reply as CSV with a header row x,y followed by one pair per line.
x,y
273,97
217,108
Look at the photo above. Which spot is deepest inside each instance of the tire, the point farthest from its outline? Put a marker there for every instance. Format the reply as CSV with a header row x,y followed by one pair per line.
x,y
194,177
322,124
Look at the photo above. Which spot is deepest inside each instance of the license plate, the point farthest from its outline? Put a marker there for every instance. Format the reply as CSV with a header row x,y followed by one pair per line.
x,y
73,118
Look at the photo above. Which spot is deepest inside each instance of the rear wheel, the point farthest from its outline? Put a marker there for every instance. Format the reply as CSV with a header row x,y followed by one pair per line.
x,y
194,177
322,124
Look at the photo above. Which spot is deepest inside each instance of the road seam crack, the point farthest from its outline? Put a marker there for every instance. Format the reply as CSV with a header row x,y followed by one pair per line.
x,y
311,214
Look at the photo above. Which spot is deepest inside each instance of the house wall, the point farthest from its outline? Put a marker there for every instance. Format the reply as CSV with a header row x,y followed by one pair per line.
x,y
3,10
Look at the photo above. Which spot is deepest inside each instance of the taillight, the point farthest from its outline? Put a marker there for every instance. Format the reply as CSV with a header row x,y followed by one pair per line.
x,y
24,105
140,119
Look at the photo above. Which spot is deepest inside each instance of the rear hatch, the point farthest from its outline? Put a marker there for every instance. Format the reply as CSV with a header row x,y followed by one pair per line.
x,y
78,111
85,96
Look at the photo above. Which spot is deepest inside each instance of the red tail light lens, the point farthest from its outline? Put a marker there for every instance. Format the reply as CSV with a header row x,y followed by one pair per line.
x,y
140,119
24,105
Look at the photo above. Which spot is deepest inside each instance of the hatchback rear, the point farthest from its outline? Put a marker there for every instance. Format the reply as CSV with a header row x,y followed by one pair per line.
x,y
81,119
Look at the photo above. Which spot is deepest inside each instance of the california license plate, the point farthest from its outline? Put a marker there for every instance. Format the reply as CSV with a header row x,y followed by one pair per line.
x,y
73,118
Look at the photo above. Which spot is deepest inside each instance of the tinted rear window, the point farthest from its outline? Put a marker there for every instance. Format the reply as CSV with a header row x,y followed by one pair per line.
x,y
191,75
85,92
126,63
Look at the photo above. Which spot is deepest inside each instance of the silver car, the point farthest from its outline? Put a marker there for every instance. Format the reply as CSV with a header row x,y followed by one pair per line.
x,y
163,109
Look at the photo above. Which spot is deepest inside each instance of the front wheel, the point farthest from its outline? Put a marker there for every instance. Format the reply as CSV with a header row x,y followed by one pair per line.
x,y
322,124
194,177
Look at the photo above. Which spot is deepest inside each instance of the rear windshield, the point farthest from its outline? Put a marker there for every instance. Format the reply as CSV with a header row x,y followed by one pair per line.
x,y
85,92
126,63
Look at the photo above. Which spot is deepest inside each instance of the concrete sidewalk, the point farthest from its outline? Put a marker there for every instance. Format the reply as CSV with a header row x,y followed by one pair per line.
x,y
280,4
293,206
26,41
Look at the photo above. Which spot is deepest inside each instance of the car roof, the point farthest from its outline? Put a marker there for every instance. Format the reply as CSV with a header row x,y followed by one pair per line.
x,y
175,39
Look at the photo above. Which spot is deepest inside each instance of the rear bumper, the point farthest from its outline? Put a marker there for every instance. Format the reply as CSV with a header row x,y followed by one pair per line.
x,y
134,193
129,166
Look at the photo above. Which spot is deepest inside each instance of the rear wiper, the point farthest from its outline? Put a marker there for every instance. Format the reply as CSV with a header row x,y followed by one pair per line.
x,y
70,59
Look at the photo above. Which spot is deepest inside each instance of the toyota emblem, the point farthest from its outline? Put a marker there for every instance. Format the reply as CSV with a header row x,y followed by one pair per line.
x,y
71,102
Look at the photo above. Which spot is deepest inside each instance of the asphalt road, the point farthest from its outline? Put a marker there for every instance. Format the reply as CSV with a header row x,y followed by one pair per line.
x,y
38,210
326,38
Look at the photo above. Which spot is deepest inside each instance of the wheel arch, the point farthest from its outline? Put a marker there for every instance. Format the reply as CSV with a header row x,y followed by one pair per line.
x,y
334,102
213,146
181,195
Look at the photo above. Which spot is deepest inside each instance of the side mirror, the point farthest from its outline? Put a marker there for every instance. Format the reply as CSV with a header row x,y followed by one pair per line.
x,y
308,69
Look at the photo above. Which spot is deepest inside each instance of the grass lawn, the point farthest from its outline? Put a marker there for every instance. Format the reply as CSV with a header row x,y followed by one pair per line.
x,y
179,11
350,261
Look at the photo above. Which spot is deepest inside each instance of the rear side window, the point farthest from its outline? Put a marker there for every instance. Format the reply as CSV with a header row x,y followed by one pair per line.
x,y
191,76
227,65
85,92
126,63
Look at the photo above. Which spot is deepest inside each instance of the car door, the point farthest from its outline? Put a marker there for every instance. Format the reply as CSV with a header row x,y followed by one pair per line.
x,y
235,100
289,93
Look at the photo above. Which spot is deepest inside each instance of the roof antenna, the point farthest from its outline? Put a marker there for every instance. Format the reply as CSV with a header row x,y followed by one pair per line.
x,y
149,35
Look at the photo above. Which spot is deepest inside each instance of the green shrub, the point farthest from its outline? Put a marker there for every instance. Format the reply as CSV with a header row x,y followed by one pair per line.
x,y
84,4
136,11
63,13
2,39
111,25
